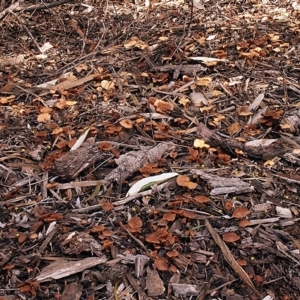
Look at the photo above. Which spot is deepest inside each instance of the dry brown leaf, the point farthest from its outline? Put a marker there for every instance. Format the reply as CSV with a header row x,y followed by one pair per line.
x,y
234,128
241,262
98,228
105,146
107,206
240,212
161,264
172,253
169,217
135,222
244,223
126,123
230,237
201,199
22,237
106,244
182,180
163,106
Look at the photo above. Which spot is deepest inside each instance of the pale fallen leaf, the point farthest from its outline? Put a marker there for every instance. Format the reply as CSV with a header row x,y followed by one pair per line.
x,y
81,139
260,142
207,59
200,144
146,183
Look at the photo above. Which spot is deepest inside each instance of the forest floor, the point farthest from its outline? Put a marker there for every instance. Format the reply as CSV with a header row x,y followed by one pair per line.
x,y
96,96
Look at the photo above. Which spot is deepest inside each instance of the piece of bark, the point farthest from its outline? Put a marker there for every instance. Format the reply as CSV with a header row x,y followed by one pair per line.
x,y
185,290
230,144
188,69
137,287
113,273
78,243
223,185
73,162
231,260
72,291
63,268
155,286
132,161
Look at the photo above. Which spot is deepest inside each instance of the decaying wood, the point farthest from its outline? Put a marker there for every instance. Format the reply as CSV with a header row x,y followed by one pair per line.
x,y
231,260
74,162
112,273
72,291
185,290
80,242
155,285
188,69
137,287
63,268
229,144
223,185
132,161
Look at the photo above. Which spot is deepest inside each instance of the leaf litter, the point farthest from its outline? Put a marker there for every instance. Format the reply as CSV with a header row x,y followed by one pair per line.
x,y
91,105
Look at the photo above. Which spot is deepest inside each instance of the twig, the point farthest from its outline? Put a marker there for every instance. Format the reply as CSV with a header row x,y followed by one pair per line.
x,y
231,260
29,33
9,9
134,238
44,6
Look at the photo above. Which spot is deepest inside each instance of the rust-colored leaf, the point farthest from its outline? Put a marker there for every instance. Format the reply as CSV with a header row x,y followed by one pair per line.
x,y
201,199
105,146
169,216
135,222
234,128
107,233
229,205
240,212
107,206
106,244
172,253
244,223
258,279
173,269
189,214
98,228
126,123
230,237
241,262
163,106
182,180
161,264
22,238
29,287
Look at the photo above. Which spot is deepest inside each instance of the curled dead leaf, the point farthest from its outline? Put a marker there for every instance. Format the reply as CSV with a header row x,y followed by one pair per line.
x,y
241,262
184,181
172,253
244,223
161,264
169,216
163,106
201,199
126,123
240,212
135,222
230,237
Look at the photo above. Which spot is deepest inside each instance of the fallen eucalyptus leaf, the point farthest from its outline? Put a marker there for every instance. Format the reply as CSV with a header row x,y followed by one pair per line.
x,y
81,139
146,183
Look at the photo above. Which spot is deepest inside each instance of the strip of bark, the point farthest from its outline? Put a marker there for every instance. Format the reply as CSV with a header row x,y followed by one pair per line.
x,y
230,144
